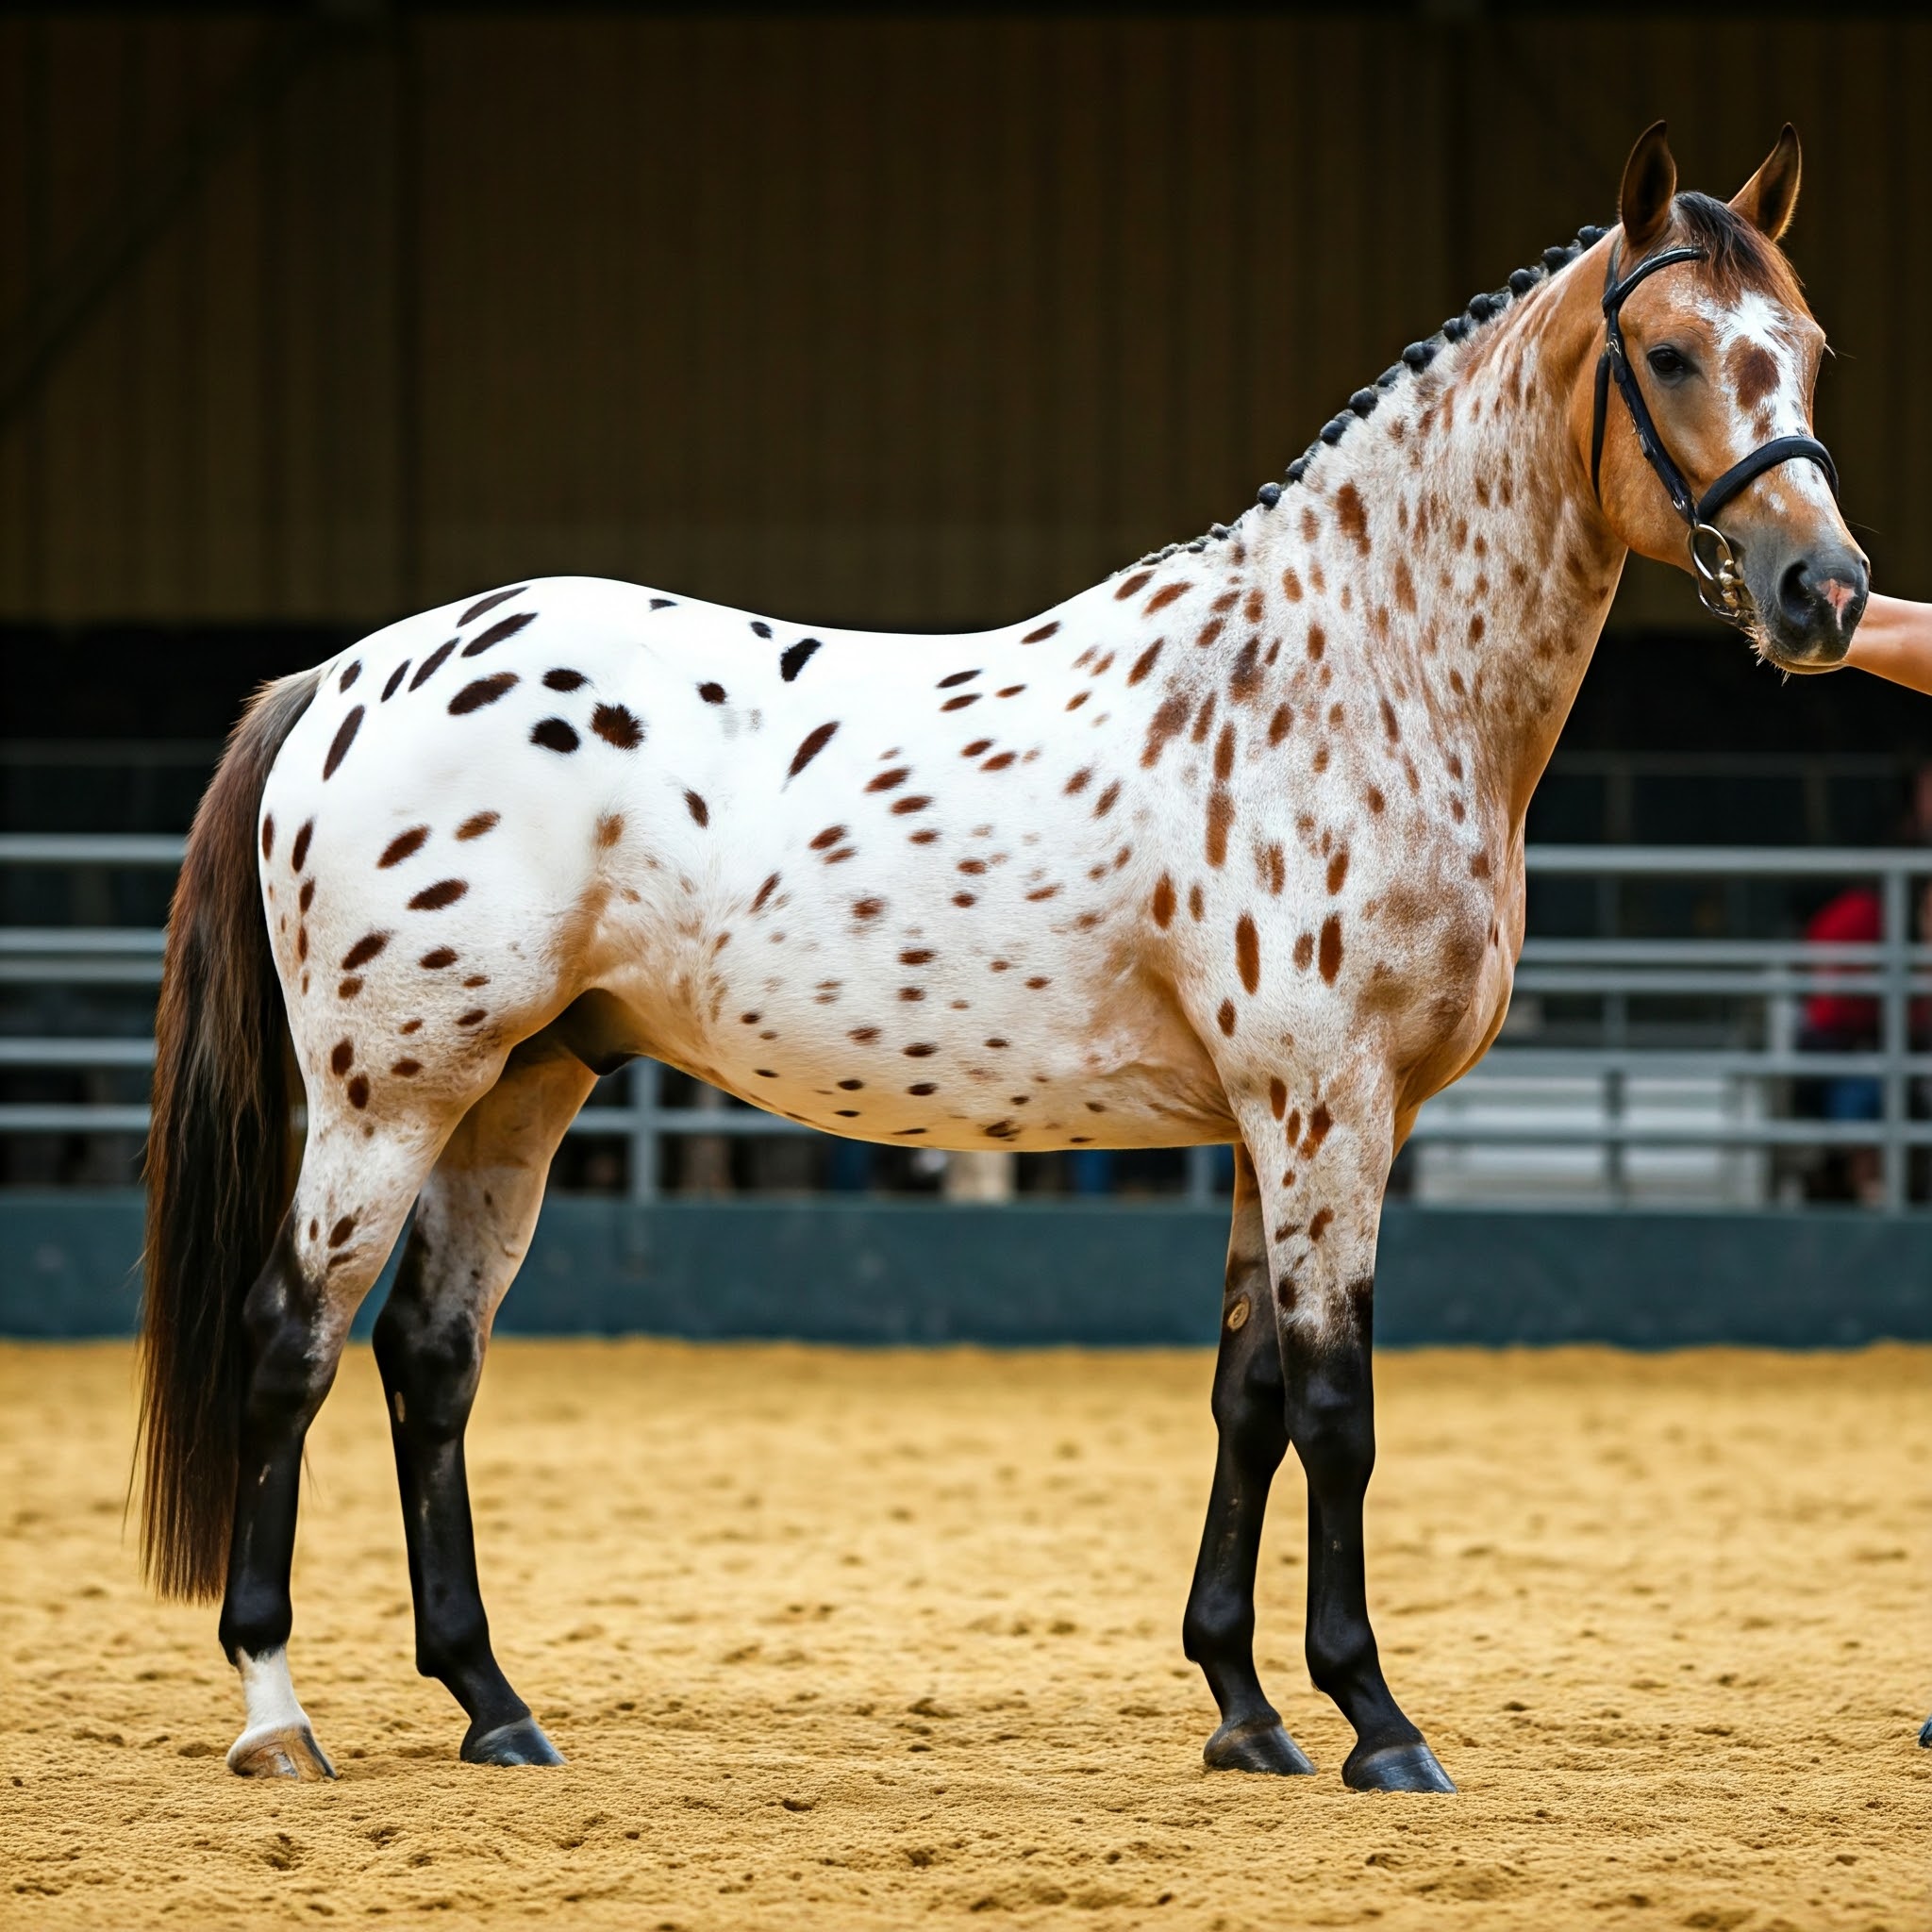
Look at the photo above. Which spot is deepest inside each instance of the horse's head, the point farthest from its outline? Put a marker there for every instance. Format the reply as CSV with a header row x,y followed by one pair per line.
x,y
1701,439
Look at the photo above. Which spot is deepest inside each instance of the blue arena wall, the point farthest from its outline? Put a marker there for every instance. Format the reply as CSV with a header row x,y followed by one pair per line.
x,y
1100,1274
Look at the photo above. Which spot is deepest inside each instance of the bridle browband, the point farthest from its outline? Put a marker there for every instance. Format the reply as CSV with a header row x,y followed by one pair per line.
x,y
1720,584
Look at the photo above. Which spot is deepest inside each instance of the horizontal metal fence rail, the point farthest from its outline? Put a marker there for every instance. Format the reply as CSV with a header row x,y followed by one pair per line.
x,y
1890,974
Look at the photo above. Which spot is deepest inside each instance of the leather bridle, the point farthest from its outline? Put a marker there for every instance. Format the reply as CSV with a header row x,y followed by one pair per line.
x,y
1720,582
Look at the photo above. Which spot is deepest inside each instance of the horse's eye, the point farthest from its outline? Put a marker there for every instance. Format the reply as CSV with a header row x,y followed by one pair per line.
x,y
1667,365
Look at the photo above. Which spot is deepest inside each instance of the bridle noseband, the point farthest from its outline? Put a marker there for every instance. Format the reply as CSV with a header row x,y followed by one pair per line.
x,y
1720,584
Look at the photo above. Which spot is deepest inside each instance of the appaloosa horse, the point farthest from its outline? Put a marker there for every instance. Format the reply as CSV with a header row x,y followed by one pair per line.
x,y
1228,848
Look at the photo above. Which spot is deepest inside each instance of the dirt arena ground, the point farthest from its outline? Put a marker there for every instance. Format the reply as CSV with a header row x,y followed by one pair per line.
x,y
842,1640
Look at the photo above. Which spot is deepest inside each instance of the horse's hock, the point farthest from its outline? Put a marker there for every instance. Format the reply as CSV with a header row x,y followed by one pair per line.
x,y
850,1640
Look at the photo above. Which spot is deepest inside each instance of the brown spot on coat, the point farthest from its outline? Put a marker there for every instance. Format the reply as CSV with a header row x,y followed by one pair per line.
x,y
1104,804
358,1091
406,1069
431,664
1165,724
765,891
886,781
555,734
1319,1226
505,627
1754,370
364,950
867,908
477,823
1280,725
268,837
616,725
1224,755
443,893
342,1230
1278,1098
1320,1121
482,691
1137,581
401,846
964,698
1305,951
1041,634
345,738
1318,642
1247,953
1292,585
488,603
564,680
1224,1018
474,1017
1337,871
1220,817
1164,596
1163,900
342,1058
700,812
711,691
1144,662
436,961
814,742
1329,962
1353,515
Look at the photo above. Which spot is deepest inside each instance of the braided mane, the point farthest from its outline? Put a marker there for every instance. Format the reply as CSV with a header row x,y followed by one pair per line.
x,y
1724,233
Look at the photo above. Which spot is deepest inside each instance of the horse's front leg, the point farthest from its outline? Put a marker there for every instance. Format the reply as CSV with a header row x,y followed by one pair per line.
x,y
1321,1182
1218,1631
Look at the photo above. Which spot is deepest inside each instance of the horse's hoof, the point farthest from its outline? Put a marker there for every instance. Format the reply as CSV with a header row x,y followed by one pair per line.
x,y
1925,1734
1396,1768
287,1751
519,1742
1260,1743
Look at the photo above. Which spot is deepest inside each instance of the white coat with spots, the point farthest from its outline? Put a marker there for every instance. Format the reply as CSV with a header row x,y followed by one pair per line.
x,y
1226,848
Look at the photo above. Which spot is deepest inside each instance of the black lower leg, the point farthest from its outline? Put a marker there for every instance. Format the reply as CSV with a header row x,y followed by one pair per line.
x,y
431,1359
1331,1418
289,1371
1218,1632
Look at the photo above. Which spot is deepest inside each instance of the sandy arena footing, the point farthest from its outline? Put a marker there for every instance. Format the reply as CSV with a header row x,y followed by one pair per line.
x,y
850,1641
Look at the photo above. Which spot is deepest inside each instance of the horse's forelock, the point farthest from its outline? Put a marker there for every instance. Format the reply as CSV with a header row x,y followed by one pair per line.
x,y
1739,259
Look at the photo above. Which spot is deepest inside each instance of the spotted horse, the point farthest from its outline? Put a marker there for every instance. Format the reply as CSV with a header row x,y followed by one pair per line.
x,y
1226,848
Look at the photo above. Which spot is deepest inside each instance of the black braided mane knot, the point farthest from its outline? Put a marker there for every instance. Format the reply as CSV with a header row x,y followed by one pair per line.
x,y
1415,358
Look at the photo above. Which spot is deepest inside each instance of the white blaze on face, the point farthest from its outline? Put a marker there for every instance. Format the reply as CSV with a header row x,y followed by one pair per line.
x,y
1763,379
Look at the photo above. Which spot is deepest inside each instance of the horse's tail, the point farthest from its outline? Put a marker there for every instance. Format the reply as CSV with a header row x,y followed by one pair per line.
x,y
219,1172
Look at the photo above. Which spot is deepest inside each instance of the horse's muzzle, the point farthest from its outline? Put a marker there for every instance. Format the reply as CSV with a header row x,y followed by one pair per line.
x,y
1810,606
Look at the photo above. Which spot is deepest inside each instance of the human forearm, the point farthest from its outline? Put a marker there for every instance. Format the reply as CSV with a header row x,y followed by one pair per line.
x,y
1895,641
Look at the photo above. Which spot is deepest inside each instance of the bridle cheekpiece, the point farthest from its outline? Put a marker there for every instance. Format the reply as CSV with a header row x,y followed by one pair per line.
x,y
1719,581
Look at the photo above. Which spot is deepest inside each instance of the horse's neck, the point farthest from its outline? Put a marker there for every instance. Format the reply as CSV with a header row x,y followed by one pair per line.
x,y
1459,566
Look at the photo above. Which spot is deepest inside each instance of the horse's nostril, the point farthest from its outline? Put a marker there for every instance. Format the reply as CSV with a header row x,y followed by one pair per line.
x,y
1795,595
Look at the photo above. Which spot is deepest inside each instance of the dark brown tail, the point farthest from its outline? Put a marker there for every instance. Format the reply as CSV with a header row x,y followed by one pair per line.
x,y
218,1168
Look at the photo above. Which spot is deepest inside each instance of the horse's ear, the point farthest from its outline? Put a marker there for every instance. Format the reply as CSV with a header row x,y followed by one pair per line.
x,y
1770,198
1650,180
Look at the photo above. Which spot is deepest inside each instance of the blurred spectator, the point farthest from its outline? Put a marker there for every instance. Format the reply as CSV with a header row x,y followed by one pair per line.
x,y
1838,1022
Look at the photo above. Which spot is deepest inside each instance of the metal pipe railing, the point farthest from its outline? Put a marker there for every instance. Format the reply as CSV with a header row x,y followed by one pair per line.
x,y
1614,970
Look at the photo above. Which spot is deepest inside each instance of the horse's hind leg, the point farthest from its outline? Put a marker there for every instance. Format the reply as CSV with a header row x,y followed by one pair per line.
x,y
474,1220
357,1182
1218,1631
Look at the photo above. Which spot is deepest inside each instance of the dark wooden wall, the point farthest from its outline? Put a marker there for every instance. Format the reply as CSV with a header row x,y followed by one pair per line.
x,y
899,321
